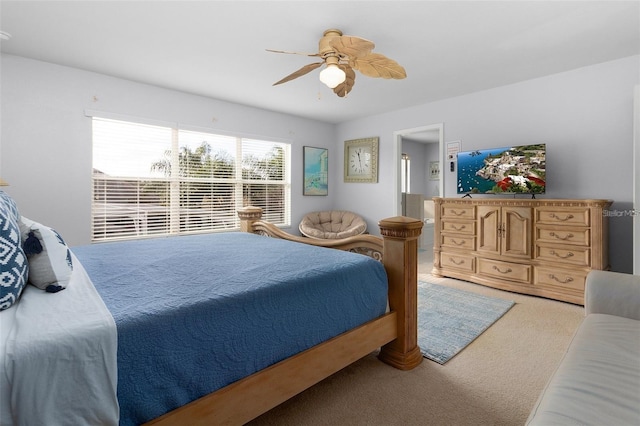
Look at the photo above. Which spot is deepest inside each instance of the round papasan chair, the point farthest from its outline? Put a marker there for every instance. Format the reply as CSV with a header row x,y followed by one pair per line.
x,y
332,224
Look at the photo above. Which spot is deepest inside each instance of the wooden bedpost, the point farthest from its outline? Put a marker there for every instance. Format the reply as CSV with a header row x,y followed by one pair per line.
x,y
248,215
400,259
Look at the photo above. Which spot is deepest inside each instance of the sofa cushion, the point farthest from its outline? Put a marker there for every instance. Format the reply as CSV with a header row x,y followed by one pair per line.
x,y
598,380
612,293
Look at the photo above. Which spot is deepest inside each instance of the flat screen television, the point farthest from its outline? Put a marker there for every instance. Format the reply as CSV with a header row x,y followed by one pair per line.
x,y
511,170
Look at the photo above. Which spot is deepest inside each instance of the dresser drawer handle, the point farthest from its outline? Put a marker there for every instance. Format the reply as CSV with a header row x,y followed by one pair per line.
x,y
567,217
460,262
509,270
456,228
461,243
565,238
553,253
455,212
553,277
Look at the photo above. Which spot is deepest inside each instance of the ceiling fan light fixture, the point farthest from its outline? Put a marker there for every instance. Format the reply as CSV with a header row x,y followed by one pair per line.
x,y
332,75
343,55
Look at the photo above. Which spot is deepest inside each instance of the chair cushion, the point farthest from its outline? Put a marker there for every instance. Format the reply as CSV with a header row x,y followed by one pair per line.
x,y
333,224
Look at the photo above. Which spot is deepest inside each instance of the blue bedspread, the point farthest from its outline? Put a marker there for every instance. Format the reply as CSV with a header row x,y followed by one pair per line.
x,y
196,313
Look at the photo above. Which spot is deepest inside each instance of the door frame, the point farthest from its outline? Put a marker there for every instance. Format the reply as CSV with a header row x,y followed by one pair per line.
x,y
636,180
397,158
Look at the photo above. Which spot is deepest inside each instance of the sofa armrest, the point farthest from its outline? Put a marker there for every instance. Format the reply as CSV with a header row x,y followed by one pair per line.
x,y
612,293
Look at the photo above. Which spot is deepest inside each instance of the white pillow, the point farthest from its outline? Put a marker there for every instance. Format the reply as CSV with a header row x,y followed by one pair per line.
x,y
50,264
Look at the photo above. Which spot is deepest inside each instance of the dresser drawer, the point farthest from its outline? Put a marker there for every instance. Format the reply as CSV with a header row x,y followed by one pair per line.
x,y
563,216
563,235
459,227
458,261
505,270
574,255
458,212
558,279
461,242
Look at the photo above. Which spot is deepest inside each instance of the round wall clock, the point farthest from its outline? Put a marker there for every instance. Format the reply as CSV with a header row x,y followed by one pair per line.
x,y
361,160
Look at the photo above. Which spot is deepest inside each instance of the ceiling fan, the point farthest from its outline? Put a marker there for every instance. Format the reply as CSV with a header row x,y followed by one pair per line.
x,y
343,54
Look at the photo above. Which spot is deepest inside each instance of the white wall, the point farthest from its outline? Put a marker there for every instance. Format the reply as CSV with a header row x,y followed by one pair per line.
x,y
585,117
46,138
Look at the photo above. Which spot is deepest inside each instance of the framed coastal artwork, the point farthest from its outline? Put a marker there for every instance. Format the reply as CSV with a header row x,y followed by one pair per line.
x,y
316,168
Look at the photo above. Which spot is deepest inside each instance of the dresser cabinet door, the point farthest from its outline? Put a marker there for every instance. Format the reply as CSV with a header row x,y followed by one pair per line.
x,y
516,231
505,231
488,229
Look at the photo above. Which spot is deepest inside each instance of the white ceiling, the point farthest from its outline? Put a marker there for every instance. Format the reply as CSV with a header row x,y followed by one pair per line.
x,y
217,48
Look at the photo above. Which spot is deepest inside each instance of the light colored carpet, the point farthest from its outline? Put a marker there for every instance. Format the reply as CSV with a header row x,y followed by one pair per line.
x,y
494,381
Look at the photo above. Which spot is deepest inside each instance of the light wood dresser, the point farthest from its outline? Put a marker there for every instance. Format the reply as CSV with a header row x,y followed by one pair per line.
x,y
542,247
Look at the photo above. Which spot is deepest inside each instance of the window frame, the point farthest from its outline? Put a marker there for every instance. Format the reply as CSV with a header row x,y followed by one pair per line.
x,y
205,207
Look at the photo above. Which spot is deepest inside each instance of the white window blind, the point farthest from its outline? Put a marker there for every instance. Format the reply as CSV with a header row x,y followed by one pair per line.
x,y
153,180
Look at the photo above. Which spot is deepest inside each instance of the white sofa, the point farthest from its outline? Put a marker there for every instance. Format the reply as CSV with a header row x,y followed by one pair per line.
x,y
598,379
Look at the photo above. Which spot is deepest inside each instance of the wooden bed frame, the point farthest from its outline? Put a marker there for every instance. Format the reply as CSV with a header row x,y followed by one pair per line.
x,y
395,332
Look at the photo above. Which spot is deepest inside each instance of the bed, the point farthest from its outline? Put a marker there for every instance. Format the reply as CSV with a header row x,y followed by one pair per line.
x,y
182,350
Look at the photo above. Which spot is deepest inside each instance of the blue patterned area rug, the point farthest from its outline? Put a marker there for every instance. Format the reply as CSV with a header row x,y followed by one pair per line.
x,y
449,319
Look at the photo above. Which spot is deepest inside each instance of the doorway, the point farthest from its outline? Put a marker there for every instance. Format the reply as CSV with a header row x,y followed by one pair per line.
x,y
422,166
418,158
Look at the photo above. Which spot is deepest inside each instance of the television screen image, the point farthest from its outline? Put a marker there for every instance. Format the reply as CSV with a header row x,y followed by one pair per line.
x,y
512,170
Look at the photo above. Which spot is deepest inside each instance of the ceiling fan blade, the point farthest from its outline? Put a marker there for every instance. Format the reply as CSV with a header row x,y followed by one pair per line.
x,y
345,87
351,46
302,71
292,53
378,66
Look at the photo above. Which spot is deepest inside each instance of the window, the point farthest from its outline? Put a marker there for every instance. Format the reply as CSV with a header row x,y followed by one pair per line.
x,y
155,181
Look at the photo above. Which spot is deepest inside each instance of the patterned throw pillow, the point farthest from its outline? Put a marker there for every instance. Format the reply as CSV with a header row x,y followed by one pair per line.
x,y
14,268
50,264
